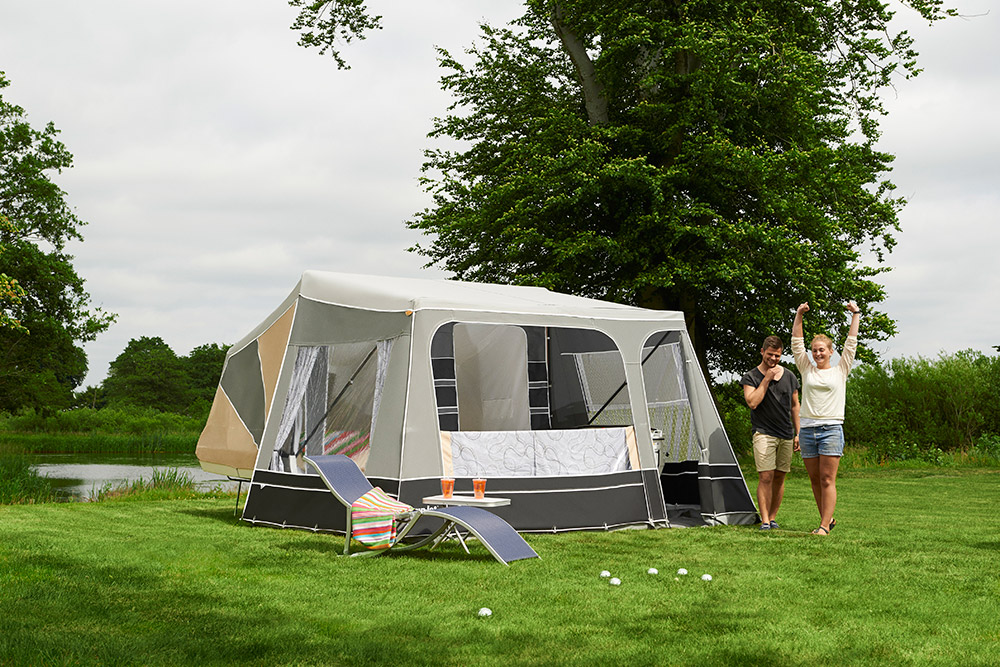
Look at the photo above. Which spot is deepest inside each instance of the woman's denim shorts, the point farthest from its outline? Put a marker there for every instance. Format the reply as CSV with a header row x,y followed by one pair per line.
x,y
826,440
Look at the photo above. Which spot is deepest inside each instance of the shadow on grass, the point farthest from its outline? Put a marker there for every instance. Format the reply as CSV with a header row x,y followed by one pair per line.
x,y
333,545
989,546
223,514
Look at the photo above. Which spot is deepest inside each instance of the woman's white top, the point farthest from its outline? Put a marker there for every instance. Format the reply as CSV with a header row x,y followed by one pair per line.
x,y
824,391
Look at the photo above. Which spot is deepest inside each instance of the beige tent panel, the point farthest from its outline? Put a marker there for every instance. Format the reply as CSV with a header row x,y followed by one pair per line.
x,y
226,446
271,347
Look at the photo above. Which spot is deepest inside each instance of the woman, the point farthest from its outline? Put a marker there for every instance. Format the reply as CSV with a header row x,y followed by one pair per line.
x,y
824,394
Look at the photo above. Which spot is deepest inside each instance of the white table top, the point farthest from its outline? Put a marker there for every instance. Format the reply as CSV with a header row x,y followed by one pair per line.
x,y
457,499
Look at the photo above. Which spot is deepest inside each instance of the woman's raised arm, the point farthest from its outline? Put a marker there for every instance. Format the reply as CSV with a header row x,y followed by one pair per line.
x,y
855,318
797,323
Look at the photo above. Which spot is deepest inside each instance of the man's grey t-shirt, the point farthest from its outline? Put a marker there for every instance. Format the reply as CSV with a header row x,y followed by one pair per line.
x,y
774,414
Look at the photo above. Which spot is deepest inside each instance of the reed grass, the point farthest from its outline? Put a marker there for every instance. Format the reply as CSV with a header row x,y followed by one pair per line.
x,y
21,483
162,484
106,431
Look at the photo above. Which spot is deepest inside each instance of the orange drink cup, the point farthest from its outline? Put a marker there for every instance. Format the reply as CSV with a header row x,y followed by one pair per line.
x,y
447,486
479,487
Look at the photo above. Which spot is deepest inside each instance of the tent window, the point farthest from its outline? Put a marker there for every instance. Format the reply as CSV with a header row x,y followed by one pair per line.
x,y
490,377
587,386
332,402
667,397
508,394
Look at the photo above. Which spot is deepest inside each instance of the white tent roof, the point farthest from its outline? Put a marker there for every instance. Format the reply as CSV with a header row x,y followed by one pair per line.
x,y
401,294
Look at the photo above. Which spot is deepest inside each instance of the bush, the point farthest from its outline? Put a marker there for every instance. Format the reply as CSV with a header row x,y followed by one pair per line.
x,y
132,420
988,448
945,405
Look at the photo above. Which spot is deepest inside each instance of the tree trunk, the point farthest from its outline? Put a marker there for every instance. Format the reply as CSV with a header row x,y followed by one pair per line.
x,y
593,91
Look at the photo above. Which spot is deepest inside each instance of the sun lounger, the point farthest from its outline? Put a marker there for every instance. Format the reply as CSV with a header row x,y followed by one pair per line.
x,y
363,504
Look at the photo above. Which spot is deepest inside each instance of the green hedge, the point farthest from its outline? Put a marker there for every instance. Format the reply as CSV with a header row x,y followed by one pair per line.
x,y
130,430
735,417
130,420
946,404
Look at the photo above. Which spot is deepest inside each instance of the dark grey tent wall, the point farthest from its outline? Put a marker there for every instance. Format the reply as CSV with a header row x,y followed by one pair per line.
x,y
554,504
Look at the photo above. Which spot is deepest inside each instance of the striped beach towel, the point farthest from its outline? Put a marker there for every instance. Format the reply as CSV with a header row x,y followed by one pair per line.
x,y
373,519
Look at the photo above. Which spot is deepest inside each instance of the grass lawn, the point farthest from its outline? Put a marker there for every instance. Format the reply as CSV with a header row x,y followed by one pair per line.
x,y
909,576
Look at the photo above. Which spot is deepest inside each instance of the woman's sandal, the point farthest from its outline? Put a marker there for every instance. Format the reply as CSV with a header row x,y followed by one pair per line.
x,y
826,531
833,524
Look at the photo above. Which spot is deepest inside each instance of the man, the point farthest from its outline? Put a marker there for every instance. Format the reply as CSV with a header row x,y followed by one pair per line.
x,y
773,396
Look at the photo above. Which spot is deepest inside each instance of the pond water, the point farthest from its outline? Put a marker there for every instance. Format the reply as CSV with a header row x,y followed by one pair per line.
x,y
78,475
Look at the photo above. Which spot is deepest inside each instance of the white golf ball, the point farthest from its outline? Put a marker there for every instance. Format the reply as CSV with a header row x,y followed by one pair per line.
x,y
485,611
682,571
615,581
652,570
706,577
605,573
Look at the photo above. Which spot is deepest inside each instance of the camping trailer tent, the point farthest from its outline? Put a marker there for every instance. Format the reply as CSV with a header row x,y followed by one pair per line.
x,y
587,414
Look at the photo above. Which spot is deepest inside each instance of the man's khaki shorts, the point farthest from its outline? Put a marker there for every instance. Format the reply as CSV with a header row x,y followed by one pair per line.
x,y
770,453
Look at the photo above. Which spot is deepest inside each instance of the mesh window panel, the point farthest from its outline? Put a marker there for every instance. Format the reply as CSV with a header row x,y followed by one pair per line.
x,y
351,391
667,400
605,392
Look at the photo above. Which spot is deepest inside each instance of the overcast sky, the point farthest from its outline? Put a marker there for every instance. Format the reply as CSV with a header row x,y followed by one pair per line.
x,y
215,160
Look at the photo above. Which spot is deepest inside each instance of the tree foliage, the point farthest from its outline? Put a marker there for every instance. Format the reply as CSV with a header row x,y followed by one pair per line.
x,y
203,366
324,25
11,292
148,373
46,312
713,156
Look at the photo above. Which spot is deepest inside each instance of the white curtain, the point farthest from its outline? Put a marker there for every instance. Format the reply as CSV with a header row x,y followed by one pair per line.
x,y
304,362
491,364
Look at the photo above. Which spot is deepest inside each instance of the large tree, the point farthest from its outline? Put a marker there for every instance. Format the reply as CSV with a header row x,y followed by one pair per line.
x,y
148,373
712,156
46,312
